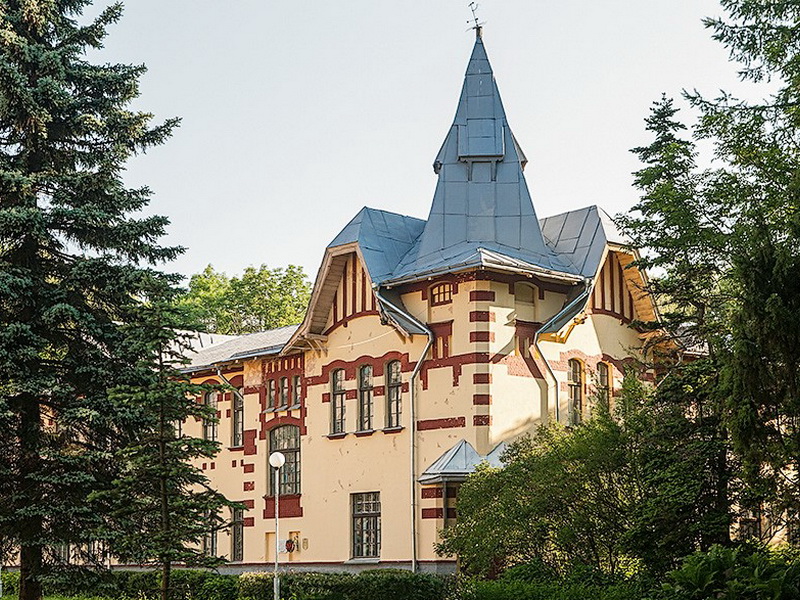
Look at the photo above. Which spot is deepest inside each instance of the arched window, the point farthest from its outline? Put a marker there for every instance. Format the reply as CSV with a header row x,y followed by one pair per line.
x,y
284,389
337,401
365,398
286,440
575,383
210,423
394,394
603,384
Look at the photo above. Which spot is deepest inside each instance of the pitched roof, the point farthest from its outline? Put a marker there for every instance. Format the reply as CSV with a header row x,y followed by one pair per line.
x,y
384,238
580,236
263,343
481,200
460,461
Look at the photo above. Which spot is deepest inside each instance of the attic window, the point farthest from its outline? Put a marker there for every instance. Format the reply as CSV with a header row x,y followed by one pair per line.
x,y
441,293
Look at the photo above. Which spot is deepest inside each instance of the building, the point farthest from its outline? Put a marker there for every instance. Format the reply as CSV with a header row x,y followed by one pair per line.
x,y
427,345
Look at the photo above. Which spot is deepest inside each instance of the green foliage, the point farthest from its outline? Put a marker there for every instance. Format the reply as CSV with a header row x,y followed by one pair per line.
x,y
636,489
262,298
10,582
76,264
553,590
368,585
736,574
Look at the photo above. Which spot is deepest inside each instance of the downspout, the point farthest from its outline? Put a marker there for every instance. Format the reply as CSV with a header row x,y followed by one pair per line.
x,y
412,424
537,337
225,379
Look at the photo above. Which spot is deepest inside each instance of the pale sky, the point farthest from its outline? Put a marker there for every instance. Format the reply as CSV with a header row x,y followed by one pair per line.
x,y
298,113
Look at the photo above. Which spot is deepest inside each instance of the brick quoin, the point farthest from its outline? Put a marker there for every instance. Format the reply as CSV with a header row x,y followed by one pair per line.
x,y
481,336
250,436
249,486
436,492
481,296
249,504
249,468
441,423
481,316
481,420
481,378
432,513
481,399
249,522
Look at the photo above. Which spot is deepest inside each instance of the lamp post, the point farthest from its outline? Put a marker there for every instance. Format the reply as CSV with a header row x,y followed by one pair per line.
x,y
276,460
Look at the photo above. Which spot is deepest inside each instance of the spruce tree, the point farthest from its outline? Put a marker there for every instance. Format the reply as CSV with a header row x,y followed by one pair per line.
x,y
161,508
76,263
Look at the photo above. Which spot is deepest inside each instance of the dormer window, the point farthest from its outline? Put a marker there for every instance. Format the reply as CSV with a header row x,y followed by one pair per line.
x,y
441,293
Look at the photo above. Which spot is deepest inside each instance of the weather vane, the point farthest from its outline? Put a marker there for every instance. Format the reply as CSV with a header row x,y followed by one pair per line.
x,y
474,6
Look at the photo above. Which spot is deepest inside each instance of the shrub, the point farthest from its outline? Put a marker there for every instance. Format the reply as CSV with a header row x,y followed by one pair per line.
x,y
743,573
10,583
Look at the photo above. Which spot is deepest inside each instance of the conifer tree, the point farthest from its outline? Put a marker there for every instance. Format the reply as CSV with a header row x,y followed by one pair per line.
x,y
161,508
76,263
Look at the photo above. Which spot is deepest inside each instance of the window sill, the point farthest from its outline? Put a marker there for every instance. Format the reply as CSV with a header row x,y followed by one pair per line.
x,y
294,407
364,432
393,429
336,436
268,410
363,561
235,448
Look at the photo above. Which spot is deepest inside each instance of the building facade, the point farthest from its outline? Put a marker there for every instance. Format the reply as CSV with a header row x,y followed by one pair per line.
x,y
427,346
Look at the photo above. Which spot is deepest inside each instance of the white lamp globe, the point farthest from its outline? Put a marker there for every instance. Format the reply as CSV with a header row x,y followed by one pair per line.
x,y
277,460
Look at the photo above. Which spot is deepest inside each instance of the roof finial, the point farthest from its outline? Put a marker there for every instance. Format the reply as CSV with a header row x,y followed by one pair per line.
x,y
478,27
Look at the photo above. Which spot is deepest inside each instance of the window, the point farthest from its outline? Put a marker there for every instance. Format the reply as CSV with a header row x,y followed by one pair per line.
x,y
286,439
525,302
237,426
210,424
575,382
337,401
210,543
603,384
365,398
271,393
297,390
367,525
441,293
394,394
237,535
750,525
284,391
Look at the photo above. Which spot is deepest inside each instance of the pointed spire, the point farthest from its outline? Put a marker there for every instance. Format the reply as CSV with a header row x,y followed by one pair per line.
x,y
481,201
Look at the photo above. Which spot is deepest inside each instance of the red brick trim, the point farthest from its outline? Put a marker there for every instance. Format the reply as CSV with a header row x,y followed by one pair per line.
x,y
249,486
481,399
481,378
249,522
481,296
237,381
249,504
481,336
350,367
249,447
351,394
611,313
432,492
346,320
447,423
248,468
481,420
326,396
432,513
481,316
289,506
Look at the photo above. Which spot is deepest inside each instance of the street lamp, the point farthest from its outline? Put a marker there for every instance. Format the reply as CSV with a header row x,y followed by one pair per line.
x,y
276,460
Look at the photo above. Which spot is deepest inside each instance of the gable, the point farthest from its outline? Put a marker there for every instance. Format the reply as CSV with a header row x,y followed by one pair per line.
x,y
353,296
619,290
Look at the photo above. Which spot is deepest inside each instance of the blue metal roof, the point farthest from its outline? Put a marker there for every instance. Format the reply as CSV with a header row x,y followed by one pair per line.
x,y
481,200
384,238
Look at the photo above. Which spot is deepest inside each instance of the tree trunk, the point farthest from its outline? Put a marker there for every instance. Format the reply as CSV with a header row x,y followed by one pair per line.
x,y
31,555
166,571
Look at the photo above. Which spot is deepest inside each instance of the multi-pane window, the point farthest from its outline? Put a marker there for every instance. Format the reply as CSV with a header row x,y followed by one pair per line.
x,y
394,394
441,293
286,440
337,401
210,543
271,400
365,398
366,525
284,391
603,384
237,534
210,423
575,382
237,424
296,389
